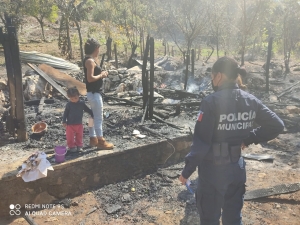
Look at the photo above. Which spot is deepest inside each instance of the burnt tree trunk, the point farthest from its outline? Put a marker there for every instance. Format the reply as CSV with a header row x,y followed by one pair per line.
x,y
212,51
42,27
145,75
151,97
133,48
80,41
193,62
69,47
268,64
108,48
116,55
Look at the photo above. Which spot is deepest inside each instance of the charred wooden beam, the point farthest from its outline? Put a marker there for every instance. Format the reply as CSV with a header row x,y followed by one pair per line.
x,y
285,91
144,115
197,103
168,123
145,77
181,93
129,102
16,63
150,131
4,40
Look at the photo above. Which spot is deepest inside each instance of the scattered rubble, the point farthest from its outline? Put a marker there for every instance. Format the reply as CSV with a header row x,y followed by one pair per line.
x,y
123,114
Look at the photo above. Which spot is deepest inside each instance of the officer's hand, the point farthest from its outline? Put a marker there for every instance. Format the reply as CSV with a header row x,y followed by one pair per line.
x,y
182,179
243,146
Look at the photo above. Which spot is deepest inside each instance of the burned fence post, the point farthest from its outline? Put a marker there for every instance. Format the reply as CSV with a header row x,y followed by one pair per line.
x,y
145,76
108,48
188,56
4,40
199,53
268,64
14,72
20,115
193,62
102,60
116,55
168,49
151,97
186,72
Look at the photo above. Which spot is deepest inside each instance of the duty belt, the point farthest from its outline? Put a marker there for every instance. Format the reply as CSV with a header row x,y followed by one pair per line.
x,y
223,153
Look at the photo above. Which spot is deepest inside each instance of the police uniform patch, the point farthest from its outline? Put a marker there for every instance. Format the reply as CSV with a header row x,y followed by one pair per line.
x,y
200,115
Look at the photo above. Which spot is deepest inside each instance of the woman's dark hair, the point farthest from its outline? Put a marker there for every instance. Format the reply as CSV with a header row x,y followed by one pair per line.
x,y
90,45
229,67
72,92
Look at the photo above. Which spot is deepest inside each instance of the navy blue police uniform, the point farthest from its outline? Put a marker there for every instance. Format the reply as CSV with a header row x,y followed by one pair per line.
x,y
227,118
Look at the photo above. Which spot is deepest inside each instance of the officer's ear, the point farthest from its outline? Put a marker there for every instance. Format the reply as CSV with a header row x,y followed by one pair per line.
x,y
218,76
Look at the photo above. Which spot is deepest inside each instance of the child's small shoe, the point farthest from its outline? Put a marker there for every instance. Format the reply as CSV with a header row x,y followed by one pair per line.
x,y
74,149
79,149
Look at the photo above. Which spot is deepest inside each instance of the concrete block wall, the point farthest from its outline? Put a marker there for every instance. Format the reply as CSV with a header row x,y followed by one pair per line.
x,y
73,177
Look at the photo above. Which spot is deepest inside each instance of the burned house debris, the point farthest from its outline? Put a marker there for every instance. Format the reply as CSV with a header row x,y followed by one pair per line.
x,y
150,108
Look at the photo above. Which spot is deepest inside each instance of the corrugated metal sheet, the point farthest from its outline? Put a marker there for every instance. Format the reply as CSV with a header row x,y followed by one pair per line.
x,y
40,58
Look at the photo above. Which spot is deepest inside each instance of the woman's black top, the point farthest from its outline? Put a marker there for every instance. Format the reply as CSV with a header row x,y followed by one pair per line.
x,y
96,86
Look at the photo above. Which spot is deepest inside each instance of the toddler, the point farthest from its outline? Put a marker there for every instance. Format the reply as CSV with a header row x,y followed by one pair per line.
x,y
72,120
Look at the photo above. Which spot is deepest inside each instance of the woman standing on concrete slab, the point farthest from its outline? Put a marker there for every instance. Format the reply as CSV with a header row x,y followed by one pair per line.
x,y
224,127
94,80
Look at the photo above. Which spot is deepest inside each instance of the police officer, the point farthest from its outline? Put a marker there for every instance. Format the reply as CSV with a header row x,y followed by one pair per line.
x,y
225,126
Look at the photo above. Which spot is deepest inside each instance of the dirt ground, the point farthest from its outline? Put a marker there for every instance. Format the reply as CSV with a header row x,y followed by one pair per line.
x,y
161,199
155,198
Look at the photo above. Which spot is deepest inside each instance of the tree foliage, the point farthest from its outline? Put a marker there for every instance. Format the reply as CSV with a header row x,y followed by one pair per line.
x,y
42,9
233,26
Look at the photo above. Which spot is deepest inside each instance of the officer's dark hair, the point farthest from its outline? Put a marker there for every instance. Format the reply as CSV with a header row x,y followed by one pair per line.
x,y
72,92
229,67
90,45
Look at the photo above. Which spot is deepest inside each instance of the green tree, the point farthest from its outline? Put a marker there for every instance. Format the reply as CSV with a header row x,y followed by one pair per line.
x,y
217,21
290,29
12,9
182,20
41,10
71,10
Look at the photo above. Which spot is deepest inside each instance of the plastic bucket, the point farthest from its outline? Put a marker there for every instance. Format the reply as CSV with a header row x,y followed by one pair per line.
x,y
60,152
